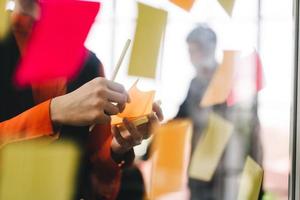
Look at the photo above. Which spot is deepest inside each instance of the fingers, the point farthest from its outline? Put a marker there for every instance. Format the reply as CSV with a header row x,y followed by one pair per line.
x,y
153,119
129,138
121,107
111,109
102,118
116,97
116,87
117,135
135,138
158,111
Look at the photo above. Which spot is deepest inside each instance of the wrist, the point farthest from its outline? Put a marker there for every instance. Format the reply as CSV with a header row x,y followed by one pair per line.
x,y
123,160
55,112
118,149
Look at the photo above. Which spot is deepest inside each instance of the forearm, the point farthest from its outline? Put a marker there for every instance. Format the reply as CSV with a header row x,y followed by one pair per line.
x,y
33,123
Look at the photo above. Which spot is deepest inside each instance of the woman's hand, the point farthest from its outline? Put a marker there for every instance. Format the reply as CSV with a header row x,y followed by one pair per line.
x,y
93,103
132,135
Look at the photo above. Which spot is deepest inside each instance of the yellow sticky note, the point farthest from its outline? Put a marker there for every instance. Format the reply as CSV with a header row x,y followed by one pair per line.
x,y
250,181
149,35
221,83
170,157
140,105
185,4
227,5
210,148
37,171
4,19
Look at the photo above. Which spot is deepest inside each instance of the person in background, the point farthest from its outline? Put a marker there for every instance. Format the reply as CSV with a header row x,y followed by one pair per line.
x,y
202,43
64,110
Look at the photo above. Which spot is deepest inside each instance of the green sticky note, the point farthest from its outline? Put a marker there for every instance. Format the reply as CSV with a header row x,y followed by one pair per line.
x,y
250,181
227,5
37,171
210,148
149,34
4,19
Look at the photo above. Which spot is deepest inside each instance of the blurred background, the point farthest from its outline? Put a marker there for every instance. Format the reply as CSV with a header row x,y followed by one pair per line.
x,y
265,26
228,73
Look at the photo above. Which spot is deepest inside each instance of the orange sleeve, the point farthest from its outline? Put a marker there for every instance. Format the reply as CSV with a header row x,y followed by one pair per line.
x,y
107,171
33,123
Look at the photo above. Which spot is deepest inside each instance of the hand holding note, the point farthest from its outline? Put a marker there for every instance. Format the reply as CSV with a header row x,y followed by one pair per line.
x,y
132,133
140,105
135,123
115,73
90,104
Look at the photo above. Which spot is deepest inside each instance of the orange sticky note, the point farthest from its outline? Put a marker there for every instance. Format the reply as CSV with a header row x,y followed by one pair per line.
x,y
185,4
140,105
221,83
170,157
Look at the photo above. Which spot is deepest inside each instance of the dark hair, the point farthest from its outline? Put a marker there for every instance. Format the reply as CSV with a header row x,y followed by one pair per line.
x,y
28,4
205,37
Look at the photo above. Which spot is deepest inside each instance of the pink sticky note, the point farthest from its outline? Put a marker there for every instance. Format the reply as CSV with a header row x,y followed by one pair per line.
x,y
56,47
248,79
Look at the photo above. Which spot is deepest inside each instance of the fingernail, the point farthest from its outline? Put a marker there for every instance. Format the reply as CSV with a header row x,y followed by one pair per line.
x,y
125,120
128,98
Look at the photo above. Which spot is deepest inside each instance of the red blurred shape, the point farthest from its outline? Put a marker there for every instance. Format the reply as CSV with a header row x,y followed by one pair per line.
x,y
248,79
56,47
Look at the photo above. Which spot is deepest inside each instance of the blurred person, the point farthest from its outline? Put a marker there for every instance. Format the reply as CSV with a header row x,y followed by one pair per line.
x,y
202,43
64,110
